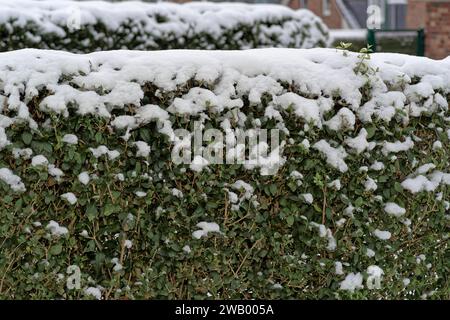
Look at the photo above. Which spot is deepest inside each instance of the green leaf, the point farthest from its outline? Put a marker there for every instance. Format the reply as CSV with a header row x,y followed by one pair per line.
x,y
91,211
273,189
27,138
370,132
317,207
109,209
398,187
56,249
359,202
290,220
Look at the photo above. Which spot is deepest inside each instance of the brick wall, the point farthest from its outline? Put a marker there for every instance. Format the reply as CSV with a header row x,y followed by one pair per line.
x,y
416,14
434,16
333,21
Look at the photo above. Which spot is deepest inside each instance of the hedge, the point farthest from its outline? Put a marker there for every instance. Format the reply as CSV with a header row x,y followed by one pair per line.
x,y
88,182
145,26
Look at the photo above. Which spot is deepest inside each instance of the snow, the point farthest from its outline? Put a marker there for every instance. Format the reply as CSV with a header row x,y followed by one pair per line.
x,y
205,228
437,145
349,210
117,265
375,271
3,139
84,233
120,177
370,184
143,149
233,197
55,172
70,139
277,286
325,232
307,109
370,253
94,292
426,183
338,268
103,150
334,157
377,166
305,143
198,163
425,168
8,177
359,143
336,184
397,146
363,169
140,194
128,244
177,193
374,274
39,160
352,282
242,185
308,197
84,178
187,249
70,197
55,229
342,121
25,153
382,235
394,209
341,222
150,112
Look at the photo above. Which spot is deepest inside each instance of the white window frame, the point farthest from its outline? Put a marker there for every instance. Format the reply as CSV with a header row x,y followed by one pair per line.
x,y
326,8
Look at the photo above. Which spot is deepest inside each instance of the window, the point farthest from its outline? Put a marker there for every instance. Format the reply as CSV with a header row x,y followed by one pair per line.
x,y
304,4
326,7
396,16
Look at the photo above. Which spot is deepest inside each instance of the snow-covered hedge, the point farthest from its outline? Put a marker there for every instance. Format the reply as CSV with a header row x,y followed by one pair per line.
x,y
359,207
84,27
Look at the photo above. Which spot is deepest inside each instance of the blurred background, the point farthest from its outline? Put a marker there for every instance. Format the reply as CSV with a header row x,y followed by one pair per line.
x,y
417,27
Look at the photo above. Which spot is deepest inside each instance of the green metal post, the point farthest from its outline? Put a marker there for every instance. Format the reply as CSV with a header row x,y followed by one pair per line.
x,y
371,39
421,42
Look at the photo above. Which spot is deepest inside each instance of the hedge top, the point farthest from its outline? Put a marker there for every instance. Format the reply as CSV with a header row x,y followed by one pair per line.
x,y
137,25
319,75
391,87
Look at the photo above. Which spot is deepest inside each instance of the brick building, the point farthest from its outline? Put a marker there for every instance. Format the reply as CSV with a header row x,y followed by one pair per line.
x,y
431,15
352,14
434,17
328,10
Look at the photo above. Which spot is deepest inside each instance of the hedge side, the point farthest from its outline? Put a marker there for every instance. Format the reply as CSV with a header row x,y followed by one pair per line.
x,y
363,194
144,26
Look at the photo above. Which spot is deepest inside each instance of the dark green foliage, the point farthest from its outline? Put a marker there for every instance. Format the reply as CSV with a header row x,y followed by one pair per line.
x,y
260,246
